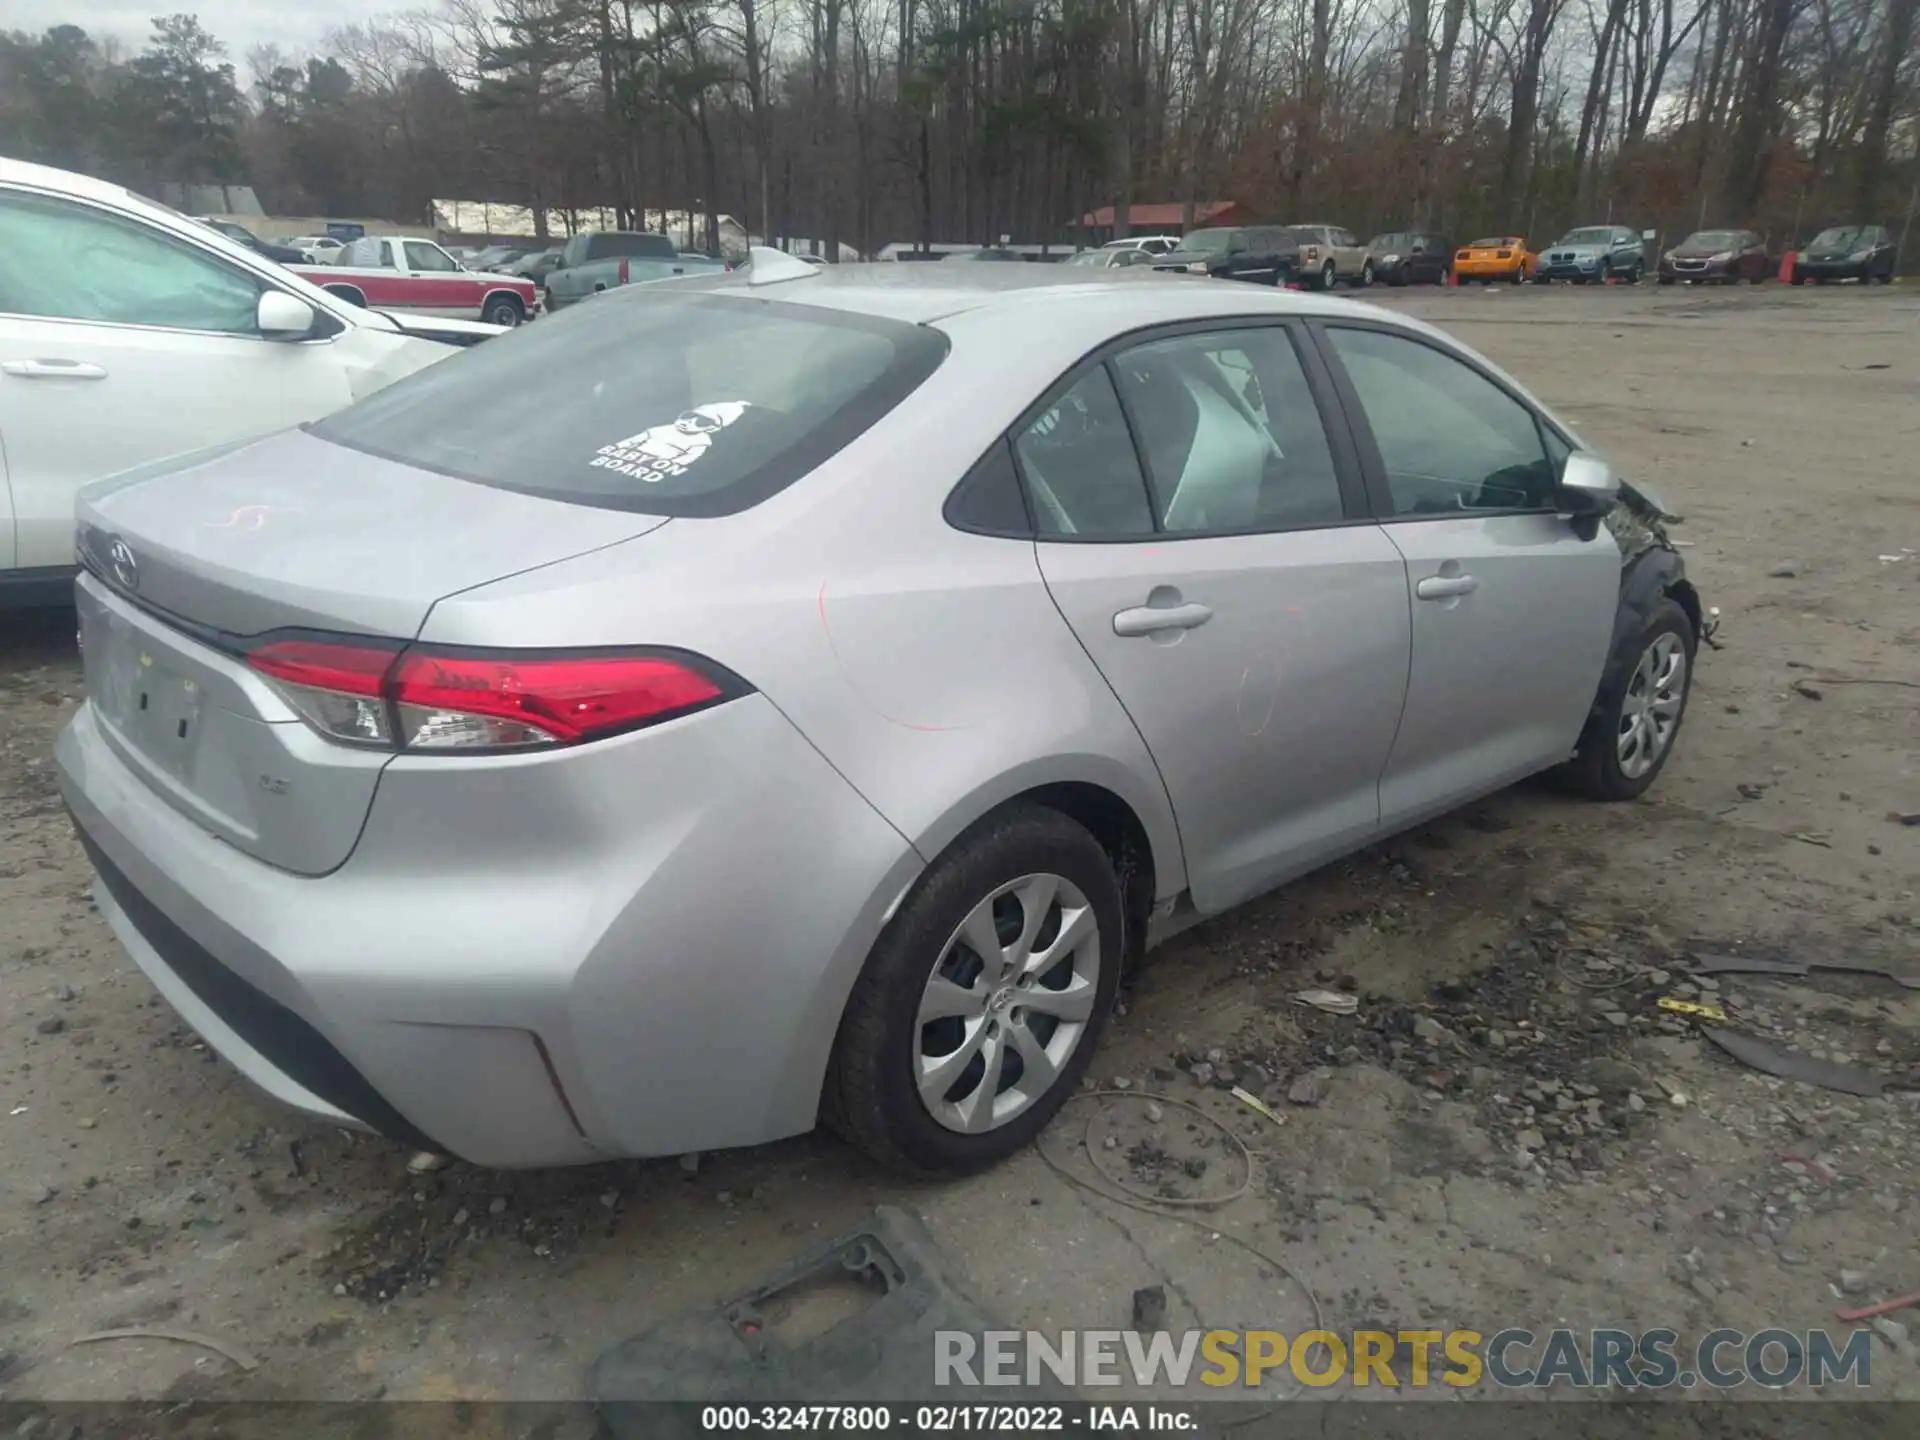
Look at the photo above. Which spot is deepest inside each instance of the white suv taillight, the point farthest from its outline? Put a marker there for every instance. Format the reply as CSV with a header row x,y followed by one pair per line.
x,y
429,699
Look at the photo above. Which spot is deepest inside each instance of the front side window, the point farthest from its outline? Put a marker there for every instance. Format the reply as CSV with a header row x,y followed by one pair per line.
x,y
430,258
1232,437
65,261
691,402
1082,473
1450,440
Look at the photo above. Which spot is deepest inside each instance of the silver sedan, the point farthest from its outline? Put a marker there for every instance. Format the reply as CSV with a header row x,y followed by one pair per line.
x,y
803,693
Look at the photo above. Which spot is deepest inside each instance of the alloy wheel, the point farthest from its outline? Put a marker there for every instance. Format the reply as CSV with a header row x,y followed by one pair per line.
x,y
1007,1004
1650,710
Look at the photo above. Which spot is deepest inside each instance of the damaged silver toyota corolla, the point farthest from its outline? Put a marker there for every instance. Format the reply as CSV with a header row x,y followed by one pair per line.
x,y
802,693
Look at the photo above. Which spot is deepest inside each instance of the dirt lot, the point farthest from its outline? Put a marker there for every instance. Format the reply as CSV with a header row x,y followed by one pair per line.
x,y
1489,1141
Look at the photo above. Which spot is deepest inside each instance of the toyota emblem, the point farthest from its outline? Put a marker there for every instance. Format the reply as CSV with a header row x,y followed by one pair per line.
x,y
126,570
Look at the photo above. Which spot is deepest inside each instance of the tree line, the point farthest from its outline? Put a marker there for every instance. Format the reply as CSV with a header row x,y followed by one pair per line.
x,y
869,121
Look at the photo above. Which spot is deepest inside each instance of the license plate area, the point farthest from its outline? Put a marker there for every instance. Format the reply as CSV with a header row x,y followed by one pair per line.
x,y
155,705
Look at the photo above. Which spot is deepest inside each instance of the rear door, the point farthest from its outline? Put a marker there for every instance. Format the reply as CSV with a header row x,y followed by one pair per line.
x,y
119,344
1512,610
1225,579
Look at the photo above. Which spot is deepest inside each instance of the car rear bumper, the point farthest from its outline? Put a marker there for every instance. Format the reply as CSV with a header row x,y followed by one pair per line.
x,y
519,966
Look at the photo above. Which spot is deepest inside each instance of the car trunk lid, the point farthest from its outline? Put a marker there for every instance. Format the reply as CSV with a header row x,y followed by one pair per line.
x,y
190,563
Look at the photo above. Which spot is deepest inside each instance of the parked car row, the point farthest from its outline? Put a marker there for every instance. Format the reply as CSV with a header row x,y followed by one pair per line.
x,y
1321,256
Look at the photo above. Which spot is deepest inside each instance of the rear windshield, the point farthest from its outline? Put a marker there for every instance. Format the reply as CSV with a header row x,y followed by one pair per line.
x,y
611,243
663,400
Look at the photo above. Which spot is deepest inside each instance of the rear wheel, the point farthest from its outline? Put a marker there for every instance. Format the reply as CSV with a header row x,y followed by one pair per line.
x,y
1631,733
980,1006
1329,277
1366,274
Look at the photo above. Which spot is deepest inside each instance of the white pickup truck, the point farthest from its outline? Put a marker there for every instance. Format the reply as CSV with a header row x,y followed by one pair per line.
x,y
404,273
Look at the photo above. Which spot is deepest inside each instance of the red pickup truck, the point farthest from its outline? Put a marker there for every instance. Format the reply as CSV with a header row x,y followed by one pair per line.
x,y
398,272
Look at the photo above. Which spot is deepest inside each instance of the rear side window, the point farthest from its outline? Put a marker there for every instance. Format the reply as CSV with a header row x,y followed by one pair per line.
x,y
669,402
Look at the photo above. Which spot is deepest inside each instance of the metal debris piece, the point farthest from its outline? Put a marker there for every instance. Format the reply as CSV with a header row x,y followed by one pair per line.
x,y
1808,837
1807,690
1885,1307
1688,1007
1792,1065
1739,965
180,1337
422,1162
1331,1001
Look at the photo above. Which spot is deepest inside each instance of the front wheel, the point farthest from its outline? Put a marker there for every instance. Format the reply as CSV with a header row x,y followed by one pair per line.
x,y
980,1006
1631,734
1366,274
503,310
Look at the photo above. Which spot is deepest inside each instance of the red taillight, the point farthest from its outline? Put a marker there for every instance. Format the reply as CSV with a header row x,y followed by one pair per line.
x,y
539,700
623,269
429,699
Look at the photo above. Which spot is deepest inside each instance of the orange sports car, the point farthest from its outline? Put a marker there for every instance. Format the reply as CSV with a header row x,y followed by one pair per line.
x,y
1501,257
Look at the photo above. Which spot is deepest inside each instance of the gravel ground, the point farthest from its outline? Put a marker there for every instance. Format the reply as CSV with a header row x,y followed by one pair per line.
x,y
1491,1138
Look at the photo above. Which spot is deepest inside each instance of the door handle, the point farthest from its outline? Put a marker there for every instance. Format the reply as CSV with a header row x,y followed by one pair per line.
x,y
52,370
1152,619
1444,587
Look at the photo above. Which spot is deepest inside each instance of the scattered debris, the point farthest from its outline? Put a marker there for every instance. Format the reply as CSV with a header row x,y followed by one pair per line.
x,y
1807,837
179,1337
1885,1307
423,1162
1306,1089
1331,1001
690,1162
1807,690
1255,1103
52,1025
1792,1065
1904,817
18,1110
1781,572
1150,1308
1693,1008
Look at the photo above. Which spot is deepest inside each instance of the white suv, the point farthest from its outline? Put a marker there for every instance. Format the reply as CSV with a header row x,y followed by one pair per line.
x,y
129,333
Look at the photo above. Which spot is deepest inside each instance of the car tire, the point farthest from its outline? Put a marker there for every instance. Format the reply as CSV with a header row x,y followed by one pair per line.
x,y
1635,273
503,310
1665,279
1366,275
1797,279
1519,276
873,1093
1606,766
1329,277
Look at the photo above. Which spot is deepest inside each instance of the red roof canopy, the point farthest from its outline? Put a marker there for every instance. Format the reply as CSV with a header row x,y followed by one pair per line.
x,y
1170,216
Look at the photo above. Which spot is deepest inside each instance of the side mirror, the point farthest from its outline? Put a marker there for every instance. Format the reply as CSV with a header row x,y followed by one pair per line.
x,y
281,316
1588,485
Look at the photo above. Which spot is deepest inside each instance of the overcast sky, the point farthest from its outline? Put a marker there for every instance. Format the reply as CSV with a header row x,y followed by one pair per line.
x,y
240,24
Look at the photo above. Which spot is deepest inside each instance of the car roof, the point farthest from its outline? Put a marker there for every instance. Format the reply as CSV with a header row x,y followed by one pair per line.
x,y
922,294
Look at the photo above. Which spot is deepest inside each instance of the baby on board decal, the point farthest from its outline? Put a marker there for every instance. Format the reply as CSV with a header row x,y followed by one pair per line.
x,y
663,451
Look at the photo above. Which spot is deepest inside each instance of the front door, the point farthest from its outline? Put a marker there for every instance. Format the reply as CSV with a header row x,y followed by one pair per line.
x,y
1250,619
1512,610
